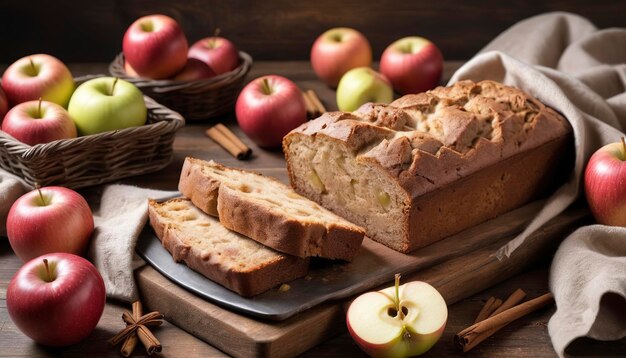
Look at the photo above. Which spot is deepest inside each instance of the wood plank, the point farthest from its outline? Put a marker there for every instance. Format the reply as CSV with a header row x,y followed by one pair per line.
x,y
243,336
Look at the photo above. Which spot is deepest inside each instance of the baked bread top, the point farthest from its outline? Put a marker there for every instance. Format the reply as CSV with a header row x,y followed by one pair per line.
x,y
430,139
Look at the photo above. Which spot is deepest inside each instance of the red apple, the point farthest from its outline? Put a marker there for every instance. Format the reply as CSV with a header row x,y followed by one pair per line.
x,y
56,299
337,51
268,108
50,219
4,104
412,64
38,76
217,52
605,177
130,71
194,70
400,321
155,46
37,122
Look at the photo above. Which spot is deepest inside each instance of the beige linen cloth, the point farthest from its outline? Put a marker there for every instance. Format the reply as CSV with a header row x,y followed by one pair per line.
x,y
561,59
580,71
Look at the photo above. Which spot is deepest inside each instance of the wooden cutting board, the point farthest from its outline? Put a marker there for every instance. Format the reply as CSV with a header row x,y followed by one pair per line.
x,y
474,269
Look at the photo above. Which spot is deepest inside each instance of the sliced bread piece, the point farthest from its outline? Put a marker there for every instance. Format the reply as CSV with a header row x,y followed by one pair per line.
x,y
268,211
230,259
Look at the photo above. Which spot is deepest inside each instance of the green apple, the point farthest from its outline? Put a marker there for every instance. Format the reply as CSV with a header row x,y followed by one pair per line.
x,y
106,104
361,85
399,321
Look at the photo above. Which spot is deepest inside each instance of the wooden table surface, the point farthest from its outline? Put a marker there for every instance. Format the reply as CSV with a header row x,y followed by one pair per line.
x,y
527,337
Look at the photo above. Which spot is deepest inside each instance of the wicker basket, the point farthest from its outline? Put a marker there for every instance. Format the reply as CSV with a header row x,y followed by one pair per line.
x,y
195,100
98,158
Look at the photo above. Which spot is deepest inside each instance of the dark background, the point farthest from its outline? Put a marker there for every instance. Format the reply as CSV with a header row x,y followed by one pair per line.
x,y
92,31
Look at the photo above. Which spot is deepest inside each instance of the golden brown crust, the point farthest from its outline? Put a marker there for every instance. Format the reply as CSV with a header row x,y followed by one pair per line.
x,y
202,190
430,139
268,222
247,281
294,236
434,140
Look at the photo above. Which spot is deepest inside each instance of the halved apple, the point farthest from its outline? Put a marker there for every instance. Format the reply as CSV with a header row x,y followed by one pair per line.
x,y
399,321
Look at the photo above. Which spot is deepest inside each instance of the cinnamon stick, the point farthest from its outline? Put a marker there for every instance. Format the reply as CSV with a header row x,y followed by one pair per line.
x,y
490,306
311,111
136,330
478,332
148,339
229,141
129,345
515,298
131,340
316,101
122,335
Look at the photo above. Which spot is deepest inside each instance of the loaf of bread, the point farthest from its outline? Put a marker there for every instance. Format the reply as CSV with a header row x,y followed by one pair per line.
x,y
232,260
432,164
268,211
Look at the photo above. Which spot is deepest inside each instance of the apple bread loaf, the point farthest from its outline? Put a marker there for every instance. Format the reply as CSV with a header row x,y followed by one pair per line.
x,y
268,211
232,260
432,164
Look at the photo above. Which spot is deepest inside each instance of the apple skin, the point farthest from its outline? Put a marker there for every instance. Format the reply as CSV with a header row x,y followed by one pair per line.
x,y
4,104
337,51
220,54
605,176
60,312
268,108
130,71
362,85
95,109
38,76
63,223
381,335
34,123
195,70
412,64
155,46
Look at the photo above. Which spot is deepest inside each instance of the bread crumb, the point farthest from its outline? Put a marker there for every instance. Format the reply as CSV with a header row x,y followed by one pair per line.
x,y
284,287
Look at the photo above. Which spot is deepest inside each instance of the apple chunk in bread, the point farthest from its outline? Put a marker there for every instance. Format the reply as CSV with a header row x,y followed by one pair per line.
x,y
400,321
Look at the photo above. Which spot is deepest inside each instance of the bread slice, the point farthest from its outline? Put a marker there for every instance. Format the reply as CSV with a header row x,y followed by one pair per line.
x,y
268,211
230,259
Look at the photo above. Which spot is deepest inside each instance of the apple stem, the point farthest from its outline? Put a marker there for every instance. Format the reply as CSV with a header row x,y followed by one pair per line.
x,y
265,86
113,86
32,65
216,33
48,276
39,108
396,299
623,148
43,198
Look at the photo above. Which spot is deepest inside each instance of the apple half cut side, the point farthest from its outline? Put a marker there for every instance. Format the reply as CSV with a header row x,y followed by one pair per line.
x,y
384,326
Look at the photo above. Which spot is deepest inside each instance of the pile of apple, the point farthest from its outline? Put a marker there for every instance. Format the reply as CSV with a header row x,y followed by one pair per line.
x,y
39,102
155,47
341,57
57,297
